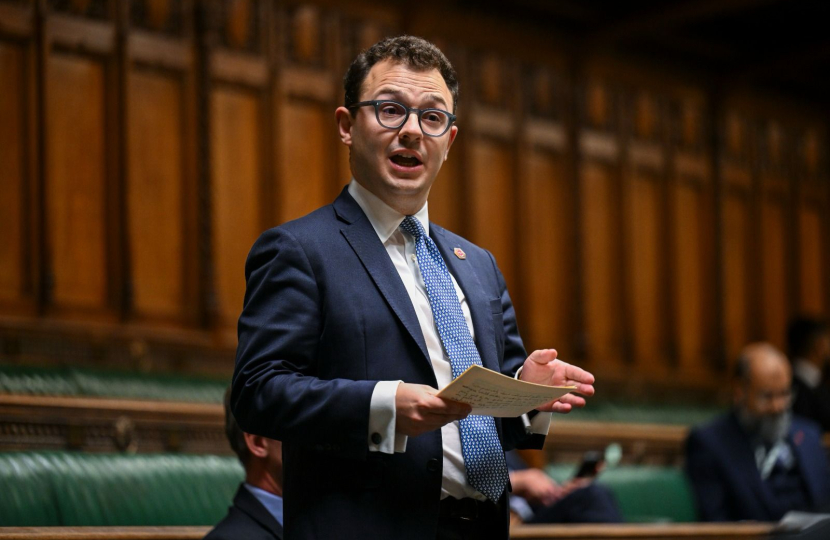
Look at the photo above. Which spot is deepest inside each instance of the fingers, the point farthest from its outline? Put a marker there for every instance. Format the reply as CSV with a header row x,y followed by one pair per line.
x,y
565,404
543,356
578,375
418,409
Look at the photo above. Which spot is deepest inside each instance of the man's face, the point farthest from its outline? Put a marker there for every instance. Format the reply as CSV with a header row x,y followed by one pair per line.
x,y
768,390
397,165
764,401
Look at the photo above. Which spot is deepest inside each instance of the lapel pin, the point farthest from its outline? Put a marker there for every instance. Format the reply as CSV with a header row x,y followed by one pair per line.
x,y
459,253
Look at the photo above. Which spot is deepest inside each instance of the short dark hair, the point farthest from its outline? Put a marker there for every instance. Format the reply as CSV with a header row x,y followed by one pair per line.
x,y
235,435
411,51
802,334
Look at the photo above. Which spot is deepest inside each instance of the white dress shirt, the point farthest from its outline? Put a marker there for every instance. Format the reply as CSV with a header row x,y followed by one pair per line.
x,y
401,250
808,372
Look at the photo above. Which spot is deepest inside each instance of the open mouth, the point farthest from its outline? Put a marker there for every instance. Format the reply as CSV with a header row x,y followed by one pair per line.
x,y
405,161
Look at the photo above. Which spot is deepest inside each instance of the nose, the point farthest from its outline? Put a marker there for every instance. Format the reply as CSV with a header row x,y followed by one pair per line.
x,y
411,129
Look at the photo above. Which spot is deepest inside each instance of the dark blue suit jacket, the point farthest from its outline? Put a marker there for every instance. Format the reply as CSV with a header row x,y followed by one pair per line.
x,y
326,316
728,487
247,519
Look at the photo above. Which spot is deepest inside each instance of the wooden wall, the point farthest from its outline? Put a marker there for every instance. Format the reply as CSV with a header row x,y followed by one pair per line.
x,y
647,224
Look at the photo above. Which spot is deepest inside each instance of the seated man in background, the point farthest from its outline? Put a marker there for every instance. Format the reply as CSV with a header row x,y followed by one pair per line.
x,y
256,513
537,498
808,341
759,461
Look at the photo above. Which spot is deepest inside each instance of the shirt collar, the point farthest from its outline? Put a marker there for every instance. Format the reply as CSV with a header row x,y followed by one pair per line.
x,y
384,219
271,501
807,372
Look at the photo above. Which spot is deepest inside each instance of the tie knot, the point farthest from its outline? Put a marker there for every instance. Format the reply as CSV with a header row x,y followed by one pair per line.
x,y
412,226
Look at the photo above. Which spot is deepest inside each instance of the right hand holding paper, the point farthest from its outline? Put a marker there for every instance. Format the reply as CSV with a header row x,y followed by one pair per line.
x,y
493,394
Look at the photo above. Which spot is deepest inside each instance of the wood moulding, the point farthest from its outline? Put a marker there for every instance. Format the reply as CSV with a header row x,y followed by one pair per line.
x,y
110,425
626,531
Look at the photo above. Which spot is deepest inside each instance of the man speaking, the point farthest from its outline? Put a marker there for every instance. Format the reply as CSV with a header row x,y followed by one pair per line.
x,y
356,314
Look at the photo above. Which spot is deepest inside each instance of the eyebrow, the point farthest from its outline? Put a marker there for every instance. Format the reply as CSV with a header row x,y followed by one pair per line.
x,y
432,97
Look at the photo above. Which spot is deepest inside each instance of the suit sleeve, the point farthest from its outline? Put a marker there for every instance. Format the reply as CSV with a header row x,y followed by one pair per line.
x,y
514,434
276,392
706,479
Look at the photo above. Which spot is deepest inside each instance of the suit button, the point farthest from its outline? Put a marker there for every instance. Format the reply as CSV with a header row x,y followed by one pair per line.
x,y
433,465
376,438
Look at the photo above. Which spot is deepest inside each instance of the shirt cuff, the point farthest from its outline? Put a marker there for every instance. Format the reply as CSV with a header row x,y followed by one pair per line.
x,y
382,436
539,424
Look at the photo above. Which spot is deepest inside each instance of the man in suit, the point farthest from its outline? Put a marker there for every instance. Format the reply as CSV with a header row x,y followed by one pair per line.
x,y
257,508
537,498
759,461
808,341
356,314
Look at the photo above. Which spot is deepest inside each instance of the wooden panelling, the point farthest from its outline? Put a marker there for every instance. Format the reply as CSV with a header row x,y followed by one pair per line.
x,y
12,171
644,225
306,181
76,180
492,206
736,238
446,200
690,286
235,142
811,286
155,194
774,269
547,256
645,271
600,248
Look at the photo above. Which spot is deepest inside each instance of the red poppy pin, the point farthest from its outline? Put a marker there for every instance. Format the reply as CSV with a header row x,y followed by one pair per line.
x,y
460,253
798,438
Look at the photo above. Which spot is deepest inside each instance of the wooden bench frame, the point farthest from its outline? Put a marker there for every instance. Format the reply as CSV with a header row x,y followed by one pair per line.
x,y
684,531
115,425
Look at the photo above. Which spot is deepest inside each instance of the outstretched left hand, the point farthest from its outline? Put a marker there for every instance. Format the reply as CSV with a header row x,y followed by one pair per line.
x,y
542,367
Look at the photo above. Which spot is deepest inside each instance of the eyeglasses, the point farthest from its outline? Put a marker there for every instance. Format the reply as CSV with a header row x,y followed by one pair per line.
x,y
393,115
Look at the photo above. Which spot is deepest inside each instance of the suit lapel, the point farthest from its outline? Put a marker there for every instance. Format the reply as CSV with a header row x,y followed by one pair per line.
x,y
805,463
364,241
246,502
477,301
743,458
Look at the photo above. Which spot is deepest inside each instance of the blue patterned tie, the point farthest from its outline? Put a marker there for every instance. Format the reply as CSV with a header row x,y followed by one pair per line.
x,y
483,454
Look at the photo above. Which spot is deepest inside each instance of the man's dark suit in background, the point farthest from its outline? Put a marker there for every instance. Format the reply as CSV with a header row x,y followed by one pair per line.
x,y
725,477
247,519
257,507
759,461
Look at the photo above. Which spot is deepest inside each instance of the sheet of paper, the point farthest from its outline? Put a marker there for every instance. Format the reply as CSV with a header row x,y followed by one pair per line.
x,y
493,394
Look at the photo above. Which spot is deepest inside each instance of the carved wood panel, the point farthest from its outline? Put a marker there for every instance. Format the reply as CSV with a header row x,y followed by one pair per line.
x,y
13,178
236,179
76,181
156,195
547,252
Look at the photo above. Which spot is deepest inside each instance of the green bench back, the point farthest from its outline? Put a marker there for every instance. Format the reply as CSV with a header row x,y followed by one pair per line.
x,y
74,489
645,493
71,381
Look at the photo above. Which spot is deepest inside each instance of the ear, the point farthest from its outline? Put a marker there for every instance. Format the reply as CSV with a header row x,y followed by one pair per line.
x,y
453,133
257,445
344,124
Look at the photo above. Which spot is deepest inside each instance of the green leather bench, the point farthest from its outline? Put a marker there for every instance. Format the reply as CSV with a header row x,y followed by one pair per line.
x,y
646,494
75,489
87,382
